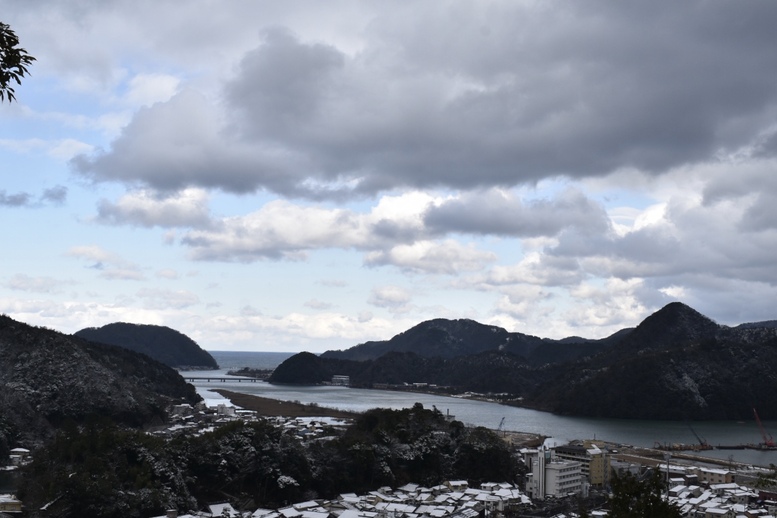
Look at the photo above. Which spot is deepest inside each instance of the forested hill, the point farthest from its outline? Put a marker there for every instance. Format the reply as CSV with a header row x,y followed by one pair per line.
x,y
443,338
677,364
48,379
163,344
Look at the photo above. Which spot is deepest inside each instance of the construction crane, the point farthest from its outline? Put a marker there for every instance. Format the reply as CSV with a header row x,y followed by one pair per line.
x,y
767,437
702,441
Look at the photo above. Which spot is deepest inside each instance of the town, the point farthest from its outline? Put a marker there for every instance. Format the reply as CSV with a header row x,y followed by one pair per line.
x,y
558,478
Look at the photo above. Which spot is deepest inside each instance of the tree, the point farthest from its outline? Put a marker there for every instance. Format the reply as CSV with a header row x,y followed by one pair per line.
x,y
634,498
14,61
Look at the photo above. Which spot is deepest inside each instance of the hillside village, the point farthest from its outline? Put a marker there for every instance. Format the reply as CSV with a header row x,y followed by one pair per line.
x,y
558,477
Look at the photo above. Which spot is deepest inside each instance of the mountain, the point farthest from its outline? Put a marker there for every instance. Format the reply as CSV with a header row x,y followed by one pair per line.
x,y
49,379
163,344
676,364
443,338
490,371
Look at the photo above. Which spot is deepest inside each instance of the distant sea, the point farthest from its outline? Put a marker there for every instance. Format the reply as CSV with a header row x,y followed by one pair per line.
x,y
228,360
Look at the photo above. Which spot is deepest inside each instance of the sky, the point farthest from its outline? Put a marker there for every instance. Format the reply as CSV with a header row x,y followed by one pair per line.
x,y
306,175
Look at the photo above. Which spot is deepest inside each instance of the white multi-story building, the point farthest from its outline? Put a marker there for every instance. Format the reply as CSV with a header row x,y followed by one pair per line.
x,y
554,477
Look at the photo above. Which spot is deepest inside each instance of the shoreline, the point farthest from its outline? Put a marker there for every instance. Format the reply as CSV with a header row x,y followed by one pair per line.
x,y
269,407
279,408
276,407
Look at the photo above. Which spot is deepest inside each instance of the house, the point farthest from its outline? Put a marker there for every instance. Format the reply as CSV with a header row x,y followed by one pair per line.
x,y
223,509
717,512
19,456
457,485
10,504
173,513
715,476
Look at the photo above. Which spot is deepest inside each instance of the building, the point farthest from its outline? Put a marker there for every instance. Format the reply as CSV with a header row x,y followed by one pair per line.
x,y
715,476
19,456
551,476
594,462
341,380
10,504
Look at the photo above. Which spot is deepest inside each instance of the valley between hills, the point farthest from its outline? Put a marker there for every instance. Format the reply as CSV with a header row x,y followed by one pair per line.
x,y
82,406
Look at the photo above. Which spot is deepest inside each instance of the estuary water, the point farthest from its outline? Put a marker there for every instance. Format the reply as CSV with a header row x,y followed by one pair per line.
x,y
8,481
490,415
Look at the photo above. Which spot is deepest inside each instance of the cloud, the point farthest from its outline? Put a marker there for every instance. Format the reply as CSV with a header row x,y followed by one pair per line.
x,y
498,212
537,269
62,149
561,167
446,257
52,196
93,253
70,316
284,230
393,232
155,298
188,208
394,298
43,284
282,85
498,96
299,331
21,199
167,273
525,303
334,283
56,195
110,265
147,89
701,246
318,304
280,230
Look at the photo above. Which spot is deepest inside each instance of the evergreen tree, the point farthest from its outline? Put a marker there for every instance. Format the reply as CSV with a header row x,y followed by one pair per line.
x,y
635,498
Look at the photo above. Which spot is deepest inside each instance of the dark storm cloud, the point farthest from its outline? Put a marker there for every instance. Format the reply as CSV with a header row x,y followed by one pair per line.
x,y
475,95
281,86
761,214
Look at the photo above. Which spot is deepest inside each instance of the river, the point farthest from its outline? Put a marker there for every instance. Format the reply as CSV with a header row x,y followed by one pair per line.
x,y
480,413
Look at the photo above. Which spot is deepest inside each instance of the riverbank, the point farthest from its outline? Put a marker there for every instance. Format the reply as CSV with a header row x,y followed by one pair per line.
x,y
275,407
